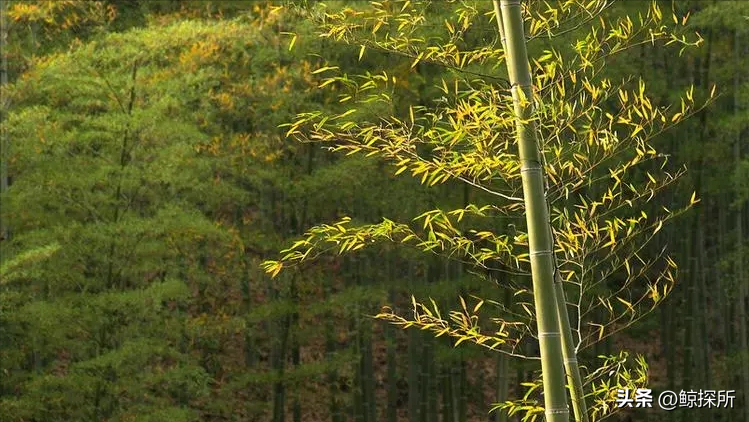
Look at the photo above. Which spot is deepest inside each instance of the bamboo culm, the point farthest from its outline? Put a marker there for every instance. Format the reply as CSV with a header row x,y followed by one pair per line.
x,y
537,216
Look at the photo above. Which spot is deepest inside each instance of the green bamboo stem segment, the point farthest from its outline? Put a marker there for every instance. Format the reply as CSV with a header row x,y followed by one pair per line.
x,y
537,214
740,270
571,366
4,141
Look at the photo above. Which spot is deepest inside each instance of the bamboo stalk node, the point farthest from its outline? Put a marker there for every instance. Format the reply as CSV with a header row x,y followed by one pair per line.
x,y
547,335
527,169
560,411
537,253
517,85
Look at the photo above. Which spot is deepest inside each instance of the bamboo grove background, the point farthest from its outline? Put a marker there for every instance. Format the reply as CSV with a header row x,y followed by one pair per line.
x,y
147,175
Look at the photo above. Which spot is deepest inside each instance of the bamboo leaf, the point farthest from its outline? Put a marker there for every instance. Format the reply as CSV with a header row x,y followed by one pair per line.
x,y
324,69
658,227
478,306
627,304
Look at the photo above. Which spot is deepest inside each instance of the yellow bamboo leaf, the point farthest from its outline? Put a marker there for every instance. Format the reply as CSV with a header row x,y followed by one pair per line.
x,y
478,306
416,61
627,304
450,28
324,69
276,269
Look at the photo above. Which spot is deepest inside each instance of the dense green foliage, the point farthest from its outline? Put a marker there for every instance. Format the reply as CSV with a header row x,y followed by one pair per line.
x,y
152,173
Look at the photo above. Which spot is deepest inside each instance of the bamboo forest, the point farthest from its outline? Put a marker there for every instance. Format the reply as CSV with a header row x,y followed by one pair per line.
x,y
374,211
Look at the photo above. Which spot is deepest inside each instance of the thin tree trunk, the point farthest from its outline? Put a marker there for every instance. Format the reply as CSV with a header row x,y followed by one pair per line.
x,y
510,21
332,374
463,374
701,341
4,141
681,303
687,380
503,372
414,360
477,389
246,289
296,408
670,306
520,374
430,383
279,366
447,408
357,410
391,363
503,382
298,228
424,381
667,346
463,387
426,357
368,378
705,300
702,72
455,392
740,275
720,296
